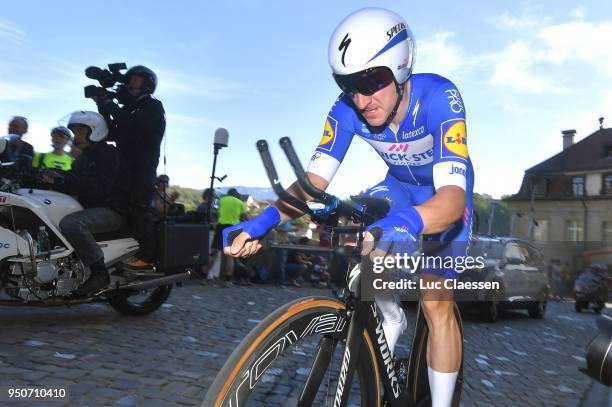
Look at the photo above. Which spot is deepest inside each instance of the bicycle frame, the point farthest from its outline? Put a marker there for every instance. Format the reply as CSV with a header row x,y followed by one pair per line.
x,y
362,315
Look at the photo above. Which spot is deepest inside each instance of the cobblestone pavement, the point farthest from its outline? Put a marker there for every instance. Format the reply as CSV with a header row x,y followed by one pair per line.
x,y
171,356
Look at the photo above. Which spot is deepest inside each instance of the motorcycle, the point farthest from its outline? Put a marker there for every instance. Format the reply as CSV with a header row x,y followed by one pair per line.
x,y
591,288
38,266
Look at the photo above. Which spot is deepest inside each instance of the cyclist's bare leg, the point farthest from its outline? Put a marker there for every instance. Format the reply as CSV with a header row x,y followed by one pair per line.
x,y
444,344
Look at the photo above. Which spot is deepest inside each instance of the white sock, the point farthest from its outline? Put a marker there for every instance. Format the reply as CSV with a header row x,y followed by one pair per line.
x,y
393,330
394,320
442,386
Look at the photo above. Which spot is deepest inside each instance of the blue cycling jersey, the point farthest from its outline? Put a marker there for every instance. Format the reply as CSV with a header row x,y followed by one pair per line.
x,y
429,148
428,151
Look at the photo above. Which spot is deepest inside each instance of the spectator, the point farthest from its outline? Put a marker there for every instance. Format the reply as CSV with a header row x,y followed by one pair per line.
x,y
16,147
281,235
56,159
203,207
161,201
231,212
298,264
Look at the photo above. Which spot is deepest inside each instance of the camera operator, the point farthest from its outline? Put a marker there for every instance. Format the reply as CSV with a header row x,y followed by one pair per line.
x,y
16,147
138,128
93,179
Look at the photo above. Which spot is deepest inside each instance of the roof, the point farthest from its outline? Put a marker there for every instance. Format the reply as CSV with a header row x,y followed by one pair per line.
x,y
589,154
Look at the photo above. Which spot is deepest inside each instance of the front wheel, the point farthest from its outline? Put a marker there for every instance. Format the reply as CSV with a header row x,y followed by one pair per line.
x,y
137,303
296,348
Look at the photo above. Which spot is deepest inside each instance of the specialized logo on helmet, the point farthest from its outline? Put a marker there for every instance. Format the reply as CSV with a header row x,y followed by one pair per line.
x,y
329,134
395,29
344,46
398,34
454,139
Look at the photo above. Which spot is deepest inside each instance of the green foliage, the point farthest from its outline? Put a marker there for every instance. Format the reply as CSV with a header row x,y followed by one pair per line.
x,y
189,197
501,218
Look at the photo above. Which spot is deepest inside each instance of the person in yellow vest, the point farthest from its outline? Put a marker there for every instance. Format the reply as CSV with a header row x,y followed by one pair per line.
x,y
57,159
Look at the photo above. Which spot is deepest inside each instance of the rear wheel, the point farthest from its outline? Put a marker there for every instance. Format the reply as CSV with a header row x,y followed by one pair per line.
x,y
137,303
277,357
537,310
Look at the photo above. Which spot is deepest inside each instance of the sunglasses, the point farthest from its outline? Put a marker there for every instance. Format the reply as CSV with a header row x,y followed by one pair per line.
x,y
366,82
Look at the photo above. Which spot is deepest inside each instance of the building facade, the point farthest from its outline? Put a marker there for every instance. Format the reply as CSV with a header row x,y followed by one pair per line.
x,y
564,204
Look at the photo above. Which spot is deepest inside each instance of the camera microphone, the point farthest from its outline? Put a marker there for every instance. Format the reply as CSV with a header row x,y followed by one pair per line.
x,y
93,72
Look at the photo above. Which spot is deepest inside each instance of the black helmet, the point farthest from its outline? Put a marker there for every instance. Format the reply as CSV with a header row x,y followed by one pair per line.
x,y
150,79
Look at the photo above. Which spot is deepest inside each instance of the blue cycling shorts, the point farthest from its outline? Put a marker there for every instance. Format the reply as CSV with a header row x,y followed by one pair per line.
x,y
445,252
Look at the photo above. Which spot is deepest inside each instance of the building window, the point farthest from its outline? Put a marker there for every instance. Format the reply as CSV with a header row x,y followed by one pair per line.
x,y
574,231
540,187
540,232
607,233
607,185
578,186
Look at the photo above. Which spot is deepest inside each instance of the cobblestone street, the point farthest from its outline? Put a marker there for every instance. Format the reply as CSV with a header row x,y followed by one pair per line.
x,y
171,356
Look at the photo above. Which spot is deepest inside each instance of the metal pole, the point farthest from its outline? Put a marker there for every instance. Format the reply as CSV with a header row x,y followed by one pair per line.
x,y
212,182
491,217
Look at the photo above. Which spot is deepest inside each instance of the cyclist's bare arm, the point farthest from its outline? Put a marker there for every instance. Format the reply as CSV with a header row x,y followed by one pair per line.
x,y
443,209
243,245
287,211
438,213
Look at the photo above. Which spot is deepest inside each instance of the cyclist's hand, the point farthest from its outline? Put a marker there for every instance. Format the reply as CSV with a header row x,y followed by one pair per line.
x,y
242,245
396,233
242,240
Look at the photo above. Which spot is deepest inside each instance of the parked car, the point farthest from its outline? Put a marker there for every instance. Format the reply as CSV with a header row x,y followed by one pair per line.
x,y
519,271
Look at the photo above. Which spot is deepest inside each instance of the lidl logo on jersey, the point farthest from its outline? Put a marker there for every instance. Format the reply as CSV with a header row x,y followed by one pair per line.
x,y
454,139
329,134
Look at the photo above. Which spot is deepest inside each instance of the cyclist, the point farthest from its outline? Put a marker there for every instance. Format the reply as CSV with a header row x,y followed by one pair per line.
x,y
416,124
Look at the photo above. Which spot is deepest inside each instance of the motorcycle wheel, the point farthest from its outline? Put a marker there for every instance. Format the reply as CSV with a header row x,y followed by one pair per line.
x,y
126,302
578,306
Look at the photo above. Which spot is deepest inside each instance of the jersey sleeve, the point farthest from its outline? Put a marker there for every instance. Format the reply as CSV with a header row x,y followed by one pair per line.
x,y
337,136
446,122
36,160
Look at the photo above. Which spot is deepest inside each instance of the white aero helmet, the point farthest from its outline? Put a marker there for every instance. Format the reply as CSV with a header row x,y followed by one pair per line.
x,y
93,120
371,39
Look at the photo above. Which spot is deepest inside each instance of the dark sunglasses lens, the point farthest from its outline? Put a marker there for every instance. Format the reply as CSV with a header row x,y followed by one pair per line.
x,y
365,82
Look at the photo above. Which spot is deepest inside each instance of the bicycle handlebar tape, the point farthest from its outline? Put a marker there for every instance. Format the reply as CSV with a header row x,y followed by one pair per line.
x,y
256,227
303,180
266,158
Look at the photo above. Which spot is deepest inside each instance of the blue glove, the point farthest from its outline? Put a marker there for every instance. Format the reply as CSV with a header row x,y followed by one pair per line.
x,y
398,233
256,227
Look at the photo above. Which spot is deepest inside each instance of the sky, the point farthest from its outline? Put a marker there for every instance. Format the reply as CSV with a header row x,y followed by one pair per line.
x,y
526,70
